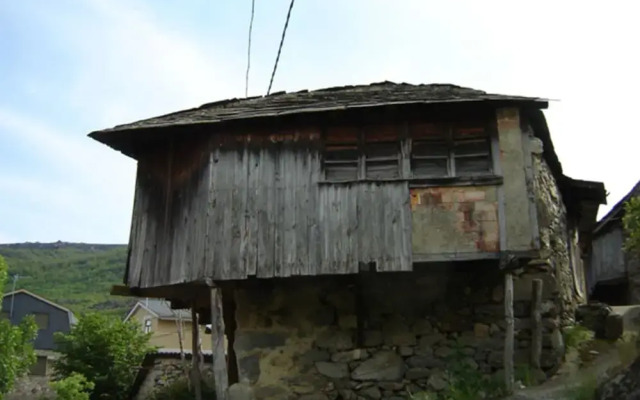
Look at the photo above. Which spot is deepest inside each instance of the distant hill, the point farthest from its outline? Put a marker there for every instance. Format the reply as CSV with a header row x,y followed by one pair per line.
x,y
78,276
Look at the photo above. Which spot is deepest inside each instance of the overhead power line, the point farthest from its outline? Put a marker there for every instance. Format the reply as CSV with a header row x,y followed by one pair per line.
x,y
246,79
284,32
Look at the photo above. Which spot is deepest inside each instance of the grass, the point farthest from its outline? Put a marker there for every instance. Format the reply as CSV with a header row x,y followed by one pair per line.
x,y
584,390
576,336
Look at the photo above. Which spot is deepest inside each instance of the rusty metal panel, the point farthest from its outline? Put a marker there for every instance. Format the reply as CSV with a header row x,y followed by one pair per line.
x,y
453,220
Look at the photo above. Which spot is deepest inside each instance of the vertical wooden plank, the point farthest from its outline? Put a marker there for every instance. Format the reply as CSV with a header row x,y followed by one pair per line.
x,y
212,236
289,179
251,208
266,213
536,319
196,379
509,332
301,230
217,345
243,215
236,181
352,255
406,229
278,211
313,212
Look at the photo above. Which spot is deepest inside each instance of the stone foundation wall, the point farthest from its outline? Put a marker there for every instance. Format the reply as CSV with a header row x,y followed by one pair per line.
x,y
387,335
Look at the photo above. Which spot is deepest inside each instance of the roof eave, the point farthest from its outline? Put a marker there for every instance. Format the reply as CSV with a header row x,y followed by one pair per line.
x,y
114,137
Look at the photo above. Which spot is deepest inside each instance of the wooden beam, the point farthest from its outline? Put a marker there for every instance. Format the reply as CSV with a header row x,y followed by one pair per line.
x,y
196,379
536,318
217,345
184,291
509,332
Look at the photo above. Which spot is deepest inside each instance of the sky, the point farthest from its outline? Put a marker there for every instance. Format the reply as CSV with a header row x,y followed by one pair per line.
x,y
70,67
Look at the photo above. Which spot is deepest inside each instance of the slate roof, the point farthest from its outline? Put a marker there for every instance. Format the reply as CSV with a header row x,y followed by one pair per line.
x,y
336,98
160,309
617,211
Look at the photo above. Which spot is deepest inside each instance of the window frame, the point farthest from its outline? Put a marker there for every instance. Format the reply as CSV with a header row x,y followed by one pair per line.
x,y
41,314
404,158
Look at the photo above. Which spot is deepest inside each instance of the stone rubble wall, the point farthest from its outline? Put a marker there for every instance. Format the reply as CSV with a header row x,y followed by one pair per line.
x,y
164,372
556,239
297,338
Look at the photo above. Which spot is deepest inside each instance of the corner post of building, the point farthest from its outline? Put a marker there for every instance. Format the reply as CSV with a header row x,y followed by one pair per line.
x,y
507,264
536,319
196,379
217,344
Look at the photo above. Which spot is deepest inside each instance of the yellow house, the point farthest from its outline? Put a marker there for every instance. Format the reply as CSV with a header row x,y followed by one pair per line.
x,y
167,326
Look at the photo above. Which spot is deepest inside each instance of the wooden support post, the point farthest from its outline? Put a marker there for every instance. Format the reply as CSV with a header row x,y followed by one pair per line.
x,y
509,332
196,379
536,318
217,345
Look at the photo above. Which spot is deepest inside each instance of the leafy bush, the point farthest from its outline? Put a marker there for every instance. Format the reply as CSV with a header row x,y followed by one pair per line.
x,y
467,383
631,222
73,387
106,350
181,390
576,336
16,349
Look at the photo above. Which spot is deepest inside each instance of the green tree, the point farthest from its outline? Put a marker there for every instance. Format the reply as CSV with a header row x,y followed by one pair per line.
x,y
105,350
16,349
631,222
73,387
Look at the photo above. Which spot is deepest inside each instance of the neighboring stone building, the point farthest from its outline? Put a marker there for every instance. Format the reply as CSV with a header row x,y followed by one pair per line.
x,y
613,274
167,326
347,240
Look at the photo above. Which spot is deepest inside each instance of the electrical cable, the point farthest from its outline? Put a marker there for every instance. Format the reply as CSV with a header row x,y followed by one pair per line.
x,y
284,32
246,79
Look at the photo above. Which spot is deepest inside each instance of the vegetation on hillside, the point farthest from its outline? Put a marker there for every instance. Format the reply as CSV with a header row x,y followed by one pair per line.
x,y
75,275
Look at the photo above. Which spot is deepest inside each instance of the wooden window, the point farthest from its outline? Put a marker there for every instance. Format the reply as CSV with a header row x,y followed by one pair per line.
x,y
341,154
42,320
440,150
381,153
351,154
40,367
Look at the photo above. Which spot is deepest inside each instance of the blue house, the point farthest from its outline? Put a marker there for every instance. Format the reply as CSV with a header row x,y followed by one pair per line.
x,y
49,316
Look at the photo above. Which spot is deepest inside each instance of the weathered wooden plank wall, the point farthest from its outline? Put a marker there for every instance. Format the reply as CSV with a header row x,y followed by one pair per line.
x,y
607,258
229,211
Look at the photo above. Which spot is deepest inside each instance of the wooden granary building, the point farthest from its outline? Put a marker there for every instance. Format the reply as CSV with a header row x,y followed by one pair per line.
x,y
347,239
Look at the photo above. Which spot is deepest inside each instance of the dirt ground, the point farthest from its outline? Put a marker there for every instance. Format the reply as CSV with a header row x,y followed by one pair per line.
x,y
595,362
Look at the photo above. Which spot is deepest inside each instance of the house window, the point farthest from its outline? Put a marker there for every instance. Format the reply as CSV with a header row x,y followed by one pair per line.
x,y
147,325
341,154
39,368
381,154
439,150
42,320
351,154
436,150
